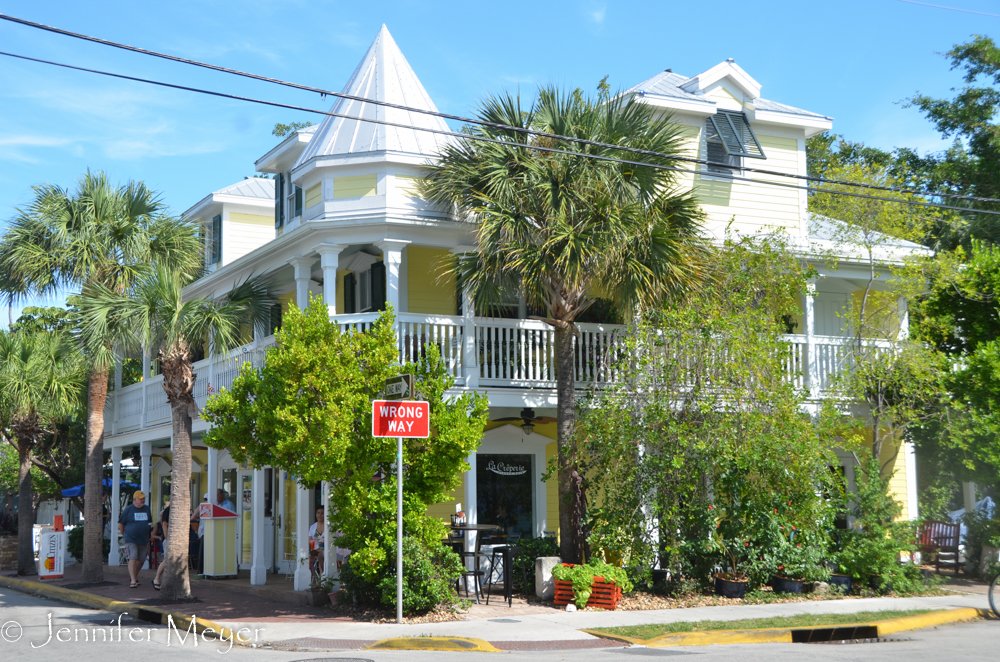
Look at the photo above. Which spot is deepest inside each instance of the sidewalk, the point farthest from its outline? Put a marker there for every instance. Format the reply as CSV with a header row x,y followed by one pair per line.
x,y
292,626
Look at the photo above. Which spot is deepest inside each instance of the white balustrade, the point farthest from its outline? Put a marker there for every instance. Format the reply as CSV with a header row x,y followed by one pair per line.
x,y
511,353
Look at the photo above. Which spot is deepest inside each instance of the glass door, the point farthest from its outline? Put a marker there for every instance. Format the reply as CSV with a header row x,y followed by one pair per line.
x,y
244,525
505,492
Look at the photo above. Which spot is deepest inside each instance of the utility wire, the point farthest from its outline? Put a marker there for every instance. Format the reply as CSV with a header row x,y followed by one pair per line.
x,y
966,11
494,125
506,143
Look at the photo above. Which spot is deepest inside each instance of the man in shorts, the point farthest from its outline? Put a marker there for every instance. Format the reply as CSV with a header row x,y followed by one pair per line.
x,y
134,525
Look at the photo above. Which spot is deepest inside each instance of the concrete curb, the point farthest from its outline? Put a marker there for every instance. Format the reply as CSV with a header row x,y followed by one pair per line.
x,y
784,635
139,612
463,644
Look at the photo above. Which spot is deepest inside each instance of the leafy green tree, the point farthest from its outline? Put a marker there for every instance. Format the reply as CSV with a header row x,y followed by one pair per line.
x,y
282,130
899,379
163,321
100,237
700,453
970,165
308,411
564,230
41,383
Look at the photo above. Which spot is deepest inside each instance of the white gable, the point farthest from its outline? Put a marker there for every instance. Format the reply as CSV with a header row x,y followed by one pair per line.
x,y
724,70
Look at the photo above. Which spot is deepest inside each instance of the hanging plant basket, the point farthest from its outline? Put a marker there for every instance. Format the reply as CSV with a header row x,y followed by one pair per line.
x,y
603,594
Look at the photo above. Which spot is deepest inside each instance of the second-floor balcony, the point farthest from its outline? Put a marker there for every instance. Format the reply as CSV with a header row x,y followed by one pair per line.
x,y
480,353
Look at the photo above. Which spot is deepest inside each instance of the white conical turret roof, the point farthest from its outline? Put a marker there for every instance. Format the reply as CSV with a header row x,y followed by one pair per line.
x,y
383,75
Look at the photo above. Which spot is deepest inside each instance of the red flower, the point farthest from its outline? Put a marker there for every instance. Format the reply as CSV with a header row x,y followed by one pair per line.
x,y
748,544
789,503
799,545
776,510
710,507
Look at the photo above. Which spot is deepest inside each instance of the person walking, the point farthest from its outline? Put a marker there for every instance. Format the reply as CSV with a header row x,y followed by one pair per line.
x,y
165,527
134,525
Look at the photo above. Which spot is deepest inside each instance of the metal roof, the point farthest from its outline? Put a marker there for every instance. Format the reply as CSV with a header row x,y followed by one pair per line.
x,y
668,84
382,75
251,187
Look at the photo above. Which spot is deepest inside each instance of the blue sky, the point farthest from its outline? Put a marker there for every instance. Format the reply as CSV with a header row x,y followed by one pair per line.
x,y
854,60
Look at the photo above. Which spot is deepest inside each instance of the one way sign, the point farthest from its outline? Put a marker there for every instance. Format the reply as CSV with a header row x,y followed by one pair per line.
x,y
401,419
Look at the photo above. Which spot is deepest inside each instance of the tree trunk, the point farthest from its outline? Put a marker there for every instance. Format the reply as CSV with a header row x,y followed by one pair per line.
x,y
178,382
25,518
570,483
93,491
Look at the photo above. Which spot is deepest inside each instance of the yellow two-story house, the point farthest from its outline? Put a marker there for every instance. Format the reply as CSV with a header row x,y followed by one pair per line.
x,y
339,215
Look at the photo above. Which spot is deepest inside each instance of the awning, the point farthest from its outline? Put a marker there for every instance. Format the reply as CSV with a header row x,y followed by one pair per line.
x,y
78,490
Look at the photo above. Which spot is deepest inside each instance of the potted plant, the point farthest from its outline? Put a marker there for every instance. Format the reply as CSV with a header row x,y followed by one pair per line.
x,y
731,583
800,561
331,587
594,584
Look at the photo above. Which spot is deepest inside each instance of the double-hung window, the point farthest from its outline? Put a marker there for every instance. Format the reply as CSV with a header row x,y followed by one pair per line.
x,y
728,140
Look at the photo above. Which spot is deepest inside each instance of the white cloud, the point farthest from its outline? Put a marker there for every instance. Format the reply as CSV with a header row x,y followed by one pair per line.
x,y
596,14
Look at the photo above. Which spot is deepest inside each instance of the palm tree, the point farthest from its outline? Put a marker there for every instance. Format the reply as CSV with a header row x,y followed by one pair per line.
x,y
566,230
99,236
172,327
41,383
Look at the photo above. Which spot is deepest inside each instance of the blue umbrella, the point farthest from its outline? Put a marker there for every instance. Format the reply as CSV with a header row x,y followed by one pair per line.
x,y
78,490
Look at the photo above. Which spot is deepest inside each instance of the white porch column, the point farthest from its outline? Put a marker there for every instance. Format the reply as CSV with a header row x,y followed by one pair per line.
x,y
470,360
392,256
303,273
146,374
146,452
213,474
471,507
903,314
258,571
812,378
329,260
302,513
116,476
910,461
968,496
118,388
329,553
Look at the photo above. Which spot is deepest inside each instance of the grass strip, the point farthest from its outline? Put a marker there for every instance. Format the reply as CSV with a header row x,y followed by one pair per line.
x,y
801,620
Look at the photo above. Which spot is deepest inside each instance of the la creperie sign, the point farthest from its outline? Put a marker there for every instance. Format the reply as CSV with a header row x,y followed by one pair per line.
x,y
401,418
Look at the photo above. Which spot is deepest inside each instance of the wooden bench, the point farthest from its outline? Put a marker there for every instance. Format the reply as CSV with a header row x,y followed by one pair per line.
x,y
940,538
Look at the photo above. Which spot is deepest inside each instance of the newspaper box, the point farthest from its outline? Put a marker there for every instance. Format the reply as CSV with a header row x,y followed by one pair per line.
x,y
51,553
219,540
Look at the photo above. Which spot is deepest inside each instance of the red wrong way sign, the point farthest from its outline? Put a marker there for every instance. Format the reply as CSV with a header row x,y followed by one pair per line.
x,y
401,418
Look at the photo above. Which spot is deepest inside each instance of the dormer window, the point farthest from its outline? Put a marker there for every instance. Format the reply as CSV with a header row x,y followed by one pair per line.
x,y
728,140
215,253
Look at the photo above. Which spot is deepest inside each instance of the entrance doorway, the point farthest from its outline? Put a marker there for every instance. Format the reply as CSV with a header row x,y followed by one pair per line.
x,y
244,536
505,491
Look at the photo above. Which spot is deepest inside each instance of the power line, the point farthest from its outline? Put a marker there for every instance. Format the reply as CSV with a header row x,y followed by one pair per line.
x,y
966,11
494,125
507,143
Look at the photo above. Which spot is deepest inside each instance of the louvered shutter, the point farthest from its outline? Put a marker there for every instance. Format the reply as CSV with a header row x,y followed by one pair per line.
x,y
733,130
298,201
279,200
275,317
378,286
216,238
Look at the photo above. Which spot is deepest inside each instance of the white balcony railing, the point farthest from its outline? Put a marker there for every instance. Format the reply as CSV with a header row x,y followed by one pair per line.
x,y
483,352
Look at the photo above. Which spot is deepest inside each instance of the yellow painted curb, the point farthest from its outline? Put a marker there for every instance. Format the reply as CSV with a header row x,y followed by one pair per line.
x,y
84,599
463,644
784,635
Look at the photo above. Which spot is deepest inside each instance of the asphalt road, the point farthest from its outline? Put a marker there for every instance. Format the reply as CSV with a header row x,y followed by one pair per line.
x,y
37,629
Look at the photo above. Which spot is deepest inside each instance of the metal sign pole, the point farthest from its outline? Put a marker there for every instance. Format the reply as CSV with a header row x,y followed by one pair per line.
x,y
399,529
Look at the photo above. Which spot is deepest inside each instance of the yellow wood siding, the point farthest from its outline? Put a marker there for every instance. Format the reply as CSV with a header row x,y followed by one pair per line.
x,y
754,205
428,292
340,290
446,509
551,495
314,195
285,300
243,233
407,185
358,186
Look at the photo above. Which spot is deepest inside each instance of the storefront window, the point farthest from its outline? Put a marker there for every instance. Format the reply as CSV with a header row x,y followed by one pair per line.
x,y
505,491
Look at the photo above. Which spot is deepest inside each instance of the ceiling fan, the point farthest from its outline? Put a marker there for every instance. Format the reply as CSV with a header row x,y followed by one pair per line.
x,y
528,416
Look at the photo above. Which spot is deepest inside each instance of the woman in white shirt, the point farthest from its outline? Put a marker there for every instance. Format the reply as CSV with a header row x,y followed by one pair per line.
x,y
317,539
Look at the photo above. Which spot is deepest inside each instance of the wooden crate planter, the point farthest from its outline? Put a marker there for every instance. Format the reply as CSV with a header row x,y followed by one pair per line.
x,y
603,594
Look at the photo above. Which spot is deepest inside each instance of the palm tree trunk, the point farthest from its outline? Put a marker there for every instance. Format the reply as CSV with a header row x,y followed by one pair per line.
x,y
93,491
176,583
178,382
25,519
570,482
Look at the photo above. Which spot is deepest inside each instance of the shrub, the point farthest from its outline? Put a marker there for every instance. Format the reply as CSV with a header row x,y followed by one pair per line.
x,y
428,579
74,543
524,564
979,530
8,525
582,576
